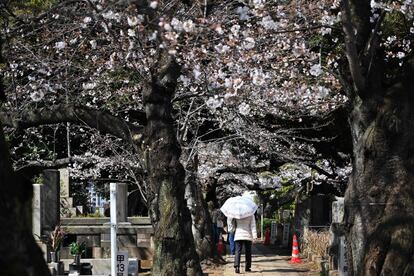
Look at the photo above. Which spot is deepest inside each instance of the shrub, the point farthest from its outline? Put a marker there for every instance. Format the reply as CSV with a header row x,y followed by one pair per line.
x,y
315,242
77,248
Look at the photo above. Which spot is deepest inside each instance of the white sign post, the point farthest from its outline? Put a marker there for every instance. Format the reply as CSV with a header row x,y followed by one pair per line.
x,y
114,247
122,263
261,223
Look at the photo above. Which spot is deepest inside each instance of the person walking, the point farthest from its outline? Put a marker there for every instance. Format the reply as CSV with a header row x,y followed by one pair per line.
x,y
214,212
244,235
231,228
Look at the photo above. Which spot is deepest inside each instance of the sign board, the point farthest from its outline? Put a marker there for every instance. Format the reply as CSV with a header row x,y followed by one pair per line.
x,y
343,262
285,238
122,263
273,232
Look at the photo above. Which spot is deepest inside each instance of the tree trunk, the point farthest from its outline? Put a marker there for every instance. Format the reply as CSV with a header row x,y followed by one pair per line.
x,y
19,253
175,252
379,202
202,227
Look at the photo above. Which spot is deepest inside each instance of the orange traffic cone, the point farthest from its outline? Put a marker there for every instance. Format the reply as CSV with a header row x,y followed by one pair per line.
x,y
295,251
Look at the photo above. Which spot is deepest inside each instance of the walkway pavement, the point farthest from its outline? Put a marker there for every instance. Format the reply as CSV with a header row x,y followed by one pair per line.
x,y
266,261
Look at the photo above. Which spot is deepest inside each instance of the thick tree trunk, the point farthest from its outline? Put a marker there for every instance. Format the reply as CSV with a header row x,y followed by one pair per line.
x,y
19,253
379,202
175,252
202,226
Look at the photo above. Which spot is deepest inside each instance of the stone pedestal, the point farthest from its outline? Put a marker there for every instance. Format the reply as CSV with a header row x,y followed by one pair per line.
x,y
97,252
144,240
56,269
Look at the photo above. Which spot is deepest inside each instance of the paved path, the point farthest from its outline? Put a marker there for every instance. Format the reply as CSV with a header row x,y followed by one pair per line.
x,y
266,261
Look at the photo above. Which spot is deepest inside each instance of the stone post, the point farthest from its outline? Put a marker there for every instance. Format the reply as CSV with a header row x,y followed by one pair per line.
x,y
121,214
37,210
51,192
337,249
122,202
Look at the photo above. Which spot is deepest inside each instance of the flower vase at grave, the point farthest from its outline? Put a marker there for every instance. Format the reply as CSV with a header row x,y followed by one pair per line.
x,y
76,260
54,256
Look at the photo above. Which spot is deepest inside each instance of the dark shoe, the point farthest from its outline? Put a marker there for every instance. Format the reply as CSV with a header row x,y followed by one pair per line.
x,y
237,270
248,270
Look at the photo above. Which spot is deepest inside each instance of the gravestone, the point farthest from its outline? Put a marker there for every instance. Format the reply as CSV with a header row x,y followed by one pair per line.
x,y
64,182
45,207
45,204
338,210
343,262
66,202
122,202
273,232
51,191
302,215
37,210
286,234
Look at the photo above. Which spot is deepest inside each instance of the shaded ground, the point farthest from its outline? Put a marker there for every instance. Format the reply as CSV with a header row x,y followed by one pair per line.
x,y
266,260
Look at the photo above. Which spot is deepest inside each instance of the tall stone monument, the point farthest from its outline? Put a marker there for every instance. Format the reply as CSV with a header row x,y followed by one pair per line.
x,y
66,202
45,206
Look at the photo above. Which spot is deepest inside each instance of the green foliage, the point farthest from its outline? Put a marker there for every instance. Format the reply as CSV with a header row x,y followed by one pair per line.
x,y
267,222
92,215
97,214
77,248
32,6
38,179
396,24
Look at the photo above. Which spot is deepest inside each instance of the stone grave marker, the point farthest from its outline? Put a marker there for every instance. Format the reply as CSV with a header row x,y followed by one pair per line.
x,y
273,232
64,182
286,232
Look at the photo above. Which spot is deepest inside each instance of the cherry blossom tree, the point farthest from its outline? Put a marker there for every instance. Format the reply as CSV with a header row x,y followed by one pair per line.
x,y
20,253
378,77
266,80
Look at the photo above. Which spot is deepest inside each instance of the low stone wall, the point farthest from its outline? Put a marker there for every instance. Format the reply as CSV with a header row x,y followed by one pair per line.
x,y
134,236
103,266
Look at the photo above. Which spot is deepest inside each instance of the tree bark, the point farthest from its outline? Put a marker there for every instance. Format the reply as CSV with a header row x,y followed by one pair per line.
x,y
379,201
175,252
19,253
202,227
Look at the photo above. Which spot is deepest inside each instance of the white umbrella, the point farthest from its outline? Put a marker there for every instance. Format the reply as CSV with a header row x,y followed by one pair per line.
x,y
239,207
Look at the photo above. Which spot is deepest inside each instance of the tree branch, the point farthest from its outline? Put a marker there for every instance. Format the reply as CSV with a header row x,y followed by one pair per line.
x,y
351,50
98,119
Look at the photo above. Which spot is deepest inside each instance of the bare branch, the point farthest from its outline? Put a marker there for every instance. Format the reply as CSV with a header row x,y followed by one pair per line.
x,y
351,50
98,119
373,42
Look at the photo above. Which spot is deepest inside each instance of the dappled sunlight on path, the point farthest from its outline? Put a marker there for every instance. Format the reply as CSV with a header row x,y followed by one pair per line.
x,y
266,260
